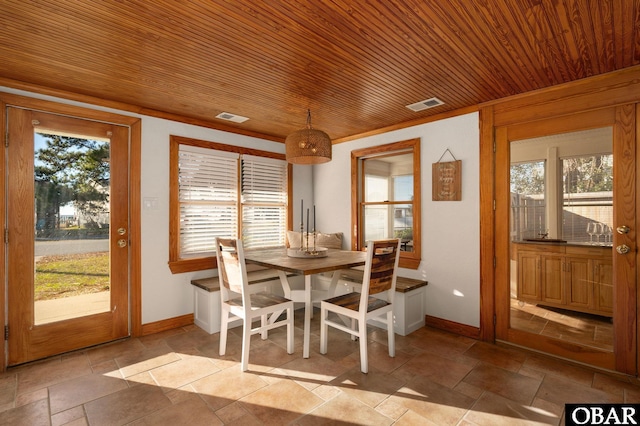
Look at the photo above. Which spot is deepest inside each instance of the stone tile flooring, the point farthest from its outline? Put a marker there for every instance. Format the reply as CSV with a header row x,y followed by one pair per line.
x,y
178,378
570,326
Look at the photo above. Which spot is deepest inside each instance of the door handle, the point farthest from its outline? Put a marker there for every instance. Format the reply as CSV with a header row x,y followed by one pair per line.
x,y
122,243
623,229
623,249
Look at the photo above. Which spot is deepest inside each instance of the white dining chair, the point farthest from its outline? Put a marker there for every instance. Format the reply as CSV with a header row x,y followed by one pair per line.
x,y
375,299
237,302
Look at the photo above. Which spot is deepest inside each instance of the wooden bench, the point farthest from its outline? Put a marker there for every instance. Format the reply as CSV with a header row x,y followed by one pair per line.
x,y
410,300
206,309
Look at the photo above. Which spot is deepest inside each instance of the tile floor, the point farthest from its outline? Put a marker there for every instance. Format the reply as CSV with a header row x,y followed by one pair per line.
x,y
178,378
570,326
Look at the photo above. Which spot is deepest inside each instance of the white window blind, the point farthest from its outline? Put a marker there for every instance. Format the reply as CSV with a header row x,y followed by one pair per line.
x,y
264,201
210,205
208,193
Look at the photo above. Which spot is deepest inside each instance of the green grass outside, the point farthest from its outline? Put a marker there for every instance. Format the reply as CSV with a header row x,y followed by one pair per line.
x,y
71,275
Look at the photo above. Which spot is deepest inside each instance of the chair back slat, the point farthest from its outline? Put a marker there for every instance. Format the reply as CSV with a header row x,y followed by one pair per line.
x,y
378,285
231,269
380,269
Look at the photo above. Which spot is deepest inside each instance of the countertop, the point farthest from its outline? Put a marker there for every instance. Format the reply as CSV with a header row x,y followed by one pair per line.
x,y
559,243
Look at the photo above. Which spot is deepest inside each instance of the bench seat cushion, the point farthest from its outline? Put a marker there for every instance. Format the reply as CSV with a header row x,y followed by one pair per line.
x,y
330,241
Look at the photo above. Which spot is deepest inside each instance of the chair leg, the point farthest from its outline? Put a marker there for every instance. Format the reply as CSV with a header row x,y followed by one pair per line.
x,y
324,329
224,326
353,327
290,330
264,321
246,341
391,334
362,335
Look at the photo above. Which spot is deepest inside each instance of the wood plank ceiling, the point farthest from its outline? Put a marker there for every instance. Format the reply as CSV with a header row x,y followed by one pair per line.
x,y
355,63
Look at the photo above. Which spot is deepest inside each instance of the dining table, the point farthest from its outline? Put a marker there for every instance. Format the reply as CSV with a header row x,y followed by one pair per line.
x,y
278,259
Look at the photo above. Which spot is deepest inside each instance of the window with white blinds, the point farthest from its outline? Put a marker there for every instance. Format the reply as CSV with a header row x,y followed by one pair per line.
x,y
226,194
264,201
208,197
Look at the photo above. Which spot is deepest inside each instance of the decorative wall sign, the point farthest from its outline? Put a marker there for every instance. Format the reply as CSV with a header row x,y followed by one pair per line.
x,y
447,179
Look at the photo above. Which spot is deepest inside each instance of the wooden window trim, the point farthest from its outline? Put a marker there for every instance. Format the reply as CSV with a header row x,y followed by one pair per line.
x,y
410,260
179,265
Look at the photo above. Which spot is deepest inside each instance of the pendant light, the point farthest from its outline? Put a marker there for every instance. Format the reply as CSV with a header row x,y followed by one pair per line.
x,y
308,145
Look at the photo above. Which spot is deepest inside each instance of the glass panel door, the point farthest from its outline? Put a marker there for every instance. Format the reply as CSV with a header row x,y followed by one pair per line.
x,y
67,221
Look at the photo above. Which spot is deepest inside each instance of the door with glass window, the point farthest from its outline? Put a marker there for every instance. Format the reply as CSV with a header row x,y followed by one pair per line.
x,y
567,224
68,243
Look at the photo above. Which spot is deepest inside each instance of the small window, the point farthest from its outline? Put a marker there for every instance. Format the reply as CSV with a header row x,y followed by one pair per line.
x,y
387,201
224,191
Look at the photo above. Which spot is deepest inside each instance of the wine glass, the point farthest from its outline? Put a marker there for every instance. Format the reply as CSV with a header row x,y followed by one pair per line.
x,y
598,231
607,231
591,229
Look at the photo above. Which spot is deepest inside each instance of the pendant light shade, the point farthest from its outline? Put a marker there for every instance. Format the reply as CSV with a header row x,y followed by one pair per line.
x,y
308,146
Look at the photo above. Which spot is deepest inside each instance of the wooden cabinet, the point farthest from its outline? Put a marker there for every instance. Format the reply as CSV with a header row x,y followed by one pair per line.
x,y
603,286
579,282
571,277
552,280
529,276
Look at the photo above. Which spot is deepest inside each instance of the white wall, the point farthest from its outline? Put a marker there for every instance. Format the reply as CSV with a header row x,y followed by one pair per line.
x,y
450,229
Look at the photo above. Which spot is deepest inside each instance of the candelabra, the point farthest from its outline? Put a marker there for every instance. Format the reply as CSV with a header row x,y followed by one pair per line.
x,y
305,250
304,243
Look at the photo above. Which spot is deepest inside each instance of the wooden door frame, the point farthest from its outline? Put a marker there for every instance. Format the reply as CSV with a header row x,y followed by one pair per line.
x,y
606,117
615,89
135,135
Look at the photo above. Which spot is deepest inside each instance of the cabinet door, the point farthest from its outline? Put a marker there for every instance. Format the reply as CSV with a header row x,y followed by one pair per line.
x,y
529,276
552,279
603,286
579,282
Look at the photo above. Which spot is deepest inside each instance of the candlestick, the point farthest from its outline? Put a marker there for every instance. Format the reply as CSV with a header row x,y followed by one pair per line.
x,y
314,218
301,223
307,248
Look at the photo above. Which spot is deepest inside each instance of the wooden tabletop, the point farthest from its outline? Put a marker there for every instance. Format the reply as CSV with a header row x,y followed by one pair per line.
x,y
278,259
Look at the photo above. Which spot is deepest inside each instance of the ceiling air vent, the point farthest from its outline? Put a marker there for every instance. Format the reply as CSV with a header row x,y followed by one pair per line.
x,y
422,105
232,117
